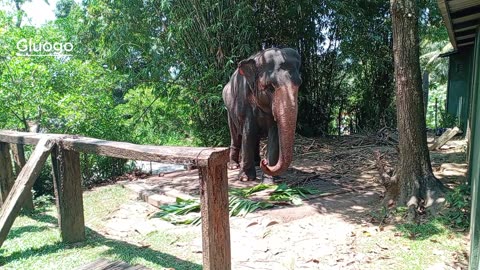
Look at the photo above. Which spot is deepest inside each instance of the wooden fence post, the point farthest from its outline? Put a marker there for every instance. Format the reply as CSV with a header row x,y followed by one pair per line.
x,y
19,158
6,172
215,215
25,180
67,183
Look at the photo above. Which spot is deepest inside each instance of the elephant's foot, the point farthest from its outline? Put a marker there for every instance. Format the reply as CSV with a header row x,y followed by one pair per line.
x,y
270,180
242,176
232,165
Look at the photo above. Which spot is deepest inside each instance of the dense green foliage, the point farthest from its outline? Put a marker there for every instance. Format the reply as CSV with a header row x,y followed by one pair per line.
x,y
153,71
459,203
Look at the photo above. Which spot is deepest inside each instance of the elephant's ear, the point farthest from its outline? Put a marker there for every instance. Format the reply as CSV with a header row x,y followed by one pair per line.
x,y
248,69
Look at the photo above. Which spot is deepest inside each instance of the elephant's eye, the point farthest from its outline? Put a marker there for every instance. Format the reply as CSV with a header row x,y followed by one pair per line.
x,y
285,66
270,88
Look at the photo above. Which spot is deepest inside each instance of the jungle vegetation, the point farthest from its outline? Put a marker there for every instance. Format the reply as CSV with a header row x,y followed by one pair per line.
x,y
152,71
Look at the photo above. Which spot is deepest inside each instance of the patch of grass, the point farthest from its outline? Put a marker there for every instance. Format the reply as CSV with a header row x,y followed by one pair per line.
x,y
414,246
35,243
424,244
42,201
421,231
101,201
429,244
457,213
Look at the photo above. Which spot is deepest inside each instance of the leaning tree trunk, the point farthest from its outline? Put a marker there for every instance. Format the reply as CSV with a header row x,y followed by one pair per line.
x,y
414,184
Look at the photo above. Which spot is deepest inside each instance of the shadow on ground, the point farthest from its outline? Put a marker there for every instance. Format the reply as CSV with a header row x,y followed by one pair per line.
x,y
323,233
121,250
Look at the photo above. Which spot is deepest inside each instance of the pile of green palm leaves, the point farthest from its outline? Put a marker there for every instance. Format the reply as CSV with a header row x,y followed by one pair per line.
x,y
188,211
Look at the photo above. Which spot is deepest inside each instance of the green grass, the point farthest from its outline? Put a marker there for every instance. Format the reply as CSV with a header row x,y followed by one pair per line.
x,y
415,246
34,241
101,202
426,242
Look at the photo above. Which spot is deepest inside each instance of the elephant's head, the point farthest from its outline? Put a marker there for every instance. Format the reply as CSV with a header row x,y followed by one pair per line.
x,y
277,70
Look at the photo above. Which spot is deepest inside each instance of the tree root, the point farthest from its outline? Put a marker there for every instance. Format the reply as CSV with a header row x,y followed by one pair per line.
x,y
422,195
387,179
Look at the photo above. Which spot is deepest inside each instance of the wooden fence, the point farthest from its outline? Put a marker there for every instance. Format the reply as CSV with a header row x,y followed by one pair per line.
x,y
65,154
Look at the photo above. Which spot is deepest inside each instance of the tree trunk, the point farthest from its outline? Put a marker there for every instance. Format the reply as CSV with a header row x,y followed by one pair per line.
x,y
414,183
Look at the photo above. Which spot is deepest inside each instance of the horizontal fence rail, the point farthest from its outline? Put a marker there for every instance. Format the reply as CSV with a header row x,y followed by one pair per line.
x,y
64,151
199,156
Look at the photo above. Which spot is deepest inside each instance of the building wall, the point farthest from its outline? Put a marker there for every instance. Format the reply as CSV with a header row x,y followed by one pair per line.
x,y
474,168
458,94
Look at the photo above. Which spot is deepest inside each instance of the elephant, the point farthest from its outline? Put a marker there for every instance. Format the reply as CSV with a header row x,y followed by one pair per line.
x,y
261,101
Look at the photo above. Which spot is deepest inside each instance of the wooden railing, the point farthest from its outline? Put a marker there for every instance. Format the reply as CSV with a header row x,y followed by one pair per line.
x,y
65,153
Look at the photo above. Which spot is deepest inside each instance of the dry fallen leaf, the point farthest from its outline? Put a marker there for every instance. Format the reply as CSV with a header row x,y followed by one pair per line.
x,y
252,224
383,248
273,222
367,233
313,260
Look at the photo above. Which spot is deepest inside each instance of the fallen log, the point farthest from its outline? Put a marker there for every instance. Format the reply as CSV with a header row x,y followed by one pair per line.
x,y
446,136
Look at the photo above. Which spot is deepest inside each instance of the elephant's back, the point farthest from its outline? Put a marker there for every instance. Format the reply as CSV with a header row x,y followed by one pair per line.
x,y
277,55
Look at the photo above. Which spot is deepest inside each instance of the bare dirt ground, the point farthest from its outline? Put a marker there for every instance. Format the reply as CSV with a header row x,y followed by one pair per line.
x,y
338,229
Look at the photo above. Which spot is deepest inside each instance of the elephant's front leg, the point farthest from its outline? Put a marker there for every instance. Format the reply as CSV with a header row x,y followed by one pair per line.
x,y
249,149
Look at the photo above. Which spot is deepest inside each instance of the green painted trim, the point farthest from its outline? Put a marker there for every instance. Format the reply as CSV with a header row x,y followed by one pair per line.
x,y
448,83
459,86
469,94
474,168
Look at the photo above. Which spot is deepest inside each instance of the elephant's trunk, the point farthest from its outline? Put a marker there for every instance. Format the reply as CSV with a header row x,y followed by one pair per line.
x,y
285,113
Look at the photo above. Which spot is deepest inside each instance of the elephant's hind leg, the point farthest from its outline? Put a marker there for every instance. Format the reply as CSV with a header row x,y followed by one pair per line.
x,y
235,145
257,158
234,158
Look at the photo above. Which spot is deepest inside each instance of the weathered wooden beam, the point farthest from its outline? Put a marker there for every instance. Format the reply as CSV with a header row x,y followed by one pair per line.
x,y
25,180
17,137
18,152
446,136
67,183
6,172
445,11
168,154
215,216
